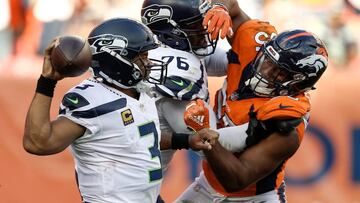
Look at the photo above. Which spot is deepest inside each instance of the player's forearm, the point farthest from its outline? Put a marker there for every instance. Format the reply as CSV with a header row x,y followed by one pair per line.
x,y
227,168
180,141
37,125
165,142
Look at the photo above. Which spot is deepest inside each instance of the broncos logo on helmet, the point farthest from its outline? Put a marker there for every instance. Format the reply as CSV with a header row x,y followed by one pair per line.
x,y
115,43
156,13
318,62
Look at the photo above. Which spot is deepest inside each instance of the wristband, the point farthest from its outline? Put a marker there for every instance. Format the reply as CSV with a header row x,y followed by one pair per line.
x,y
180,141
46,86
221,5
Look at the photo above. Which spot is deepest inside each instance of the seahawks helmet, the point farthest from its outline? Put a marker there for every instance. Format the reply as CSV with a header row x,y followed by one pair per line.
x,y
290,63
116,44
178,24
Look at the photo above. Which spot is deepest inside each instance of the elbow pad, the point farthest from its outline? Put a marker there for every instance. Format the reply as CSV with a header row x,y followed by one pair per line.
x,y
286,126
258,130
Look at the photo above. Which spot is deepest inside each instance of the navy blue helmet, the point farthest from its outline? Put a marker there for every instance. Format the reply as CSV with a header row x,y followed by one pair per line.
x,y
116,44
290,63
178,24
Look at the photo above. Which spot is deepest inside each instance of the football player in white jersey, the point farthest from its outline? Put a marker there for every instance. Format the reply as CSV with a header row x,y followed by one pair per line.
x,y
112,128
186,48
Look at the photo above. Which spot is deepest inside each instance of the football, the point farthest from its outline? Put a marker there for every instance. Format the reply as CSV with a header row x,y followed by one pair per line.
x,y
71,56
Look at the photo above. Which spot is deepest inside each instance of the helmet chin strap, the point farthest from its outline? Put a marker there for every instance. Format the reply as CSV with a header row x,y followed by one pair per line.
x,y
202,52
205,50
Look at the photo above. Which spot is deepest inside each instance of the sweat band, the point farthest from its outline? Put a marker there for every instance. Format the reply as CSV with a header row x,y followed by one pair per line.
x,y
45,86
222,6
180,141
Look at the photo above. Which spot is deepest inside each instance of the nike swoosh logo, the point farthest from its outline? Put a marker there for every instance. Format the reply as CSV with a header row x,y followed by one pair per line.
x,y
74,101
284,106
180,83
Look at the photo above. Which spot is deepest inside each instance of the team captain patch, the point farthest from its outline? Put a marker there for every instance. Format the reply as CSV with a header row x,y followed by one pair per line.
x,y
127,117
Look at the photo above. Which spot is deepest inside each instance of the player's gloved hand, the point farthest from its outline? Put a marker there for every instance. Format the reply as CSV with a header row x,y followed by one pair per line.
x,y
196,115
218,21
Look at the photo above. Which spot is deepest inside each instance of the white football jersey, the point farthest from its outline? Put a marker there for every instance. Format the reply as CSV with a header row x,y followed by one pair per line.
x,y
186,74
117,159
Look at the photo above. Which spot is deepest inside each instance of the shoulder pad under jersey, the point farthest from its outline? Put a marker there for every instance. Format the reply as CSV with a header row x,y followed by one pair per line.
x,y
284,107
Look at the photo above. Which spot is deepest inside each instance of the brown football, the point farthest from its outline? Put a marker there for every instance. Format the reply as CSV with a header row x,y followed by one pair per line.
x,y
71,56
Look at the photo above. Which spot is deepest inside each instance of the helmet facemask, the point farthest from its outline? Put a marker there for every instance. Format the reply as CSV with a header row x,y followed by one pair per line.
x,y
115,61
154,71
270,79
198,37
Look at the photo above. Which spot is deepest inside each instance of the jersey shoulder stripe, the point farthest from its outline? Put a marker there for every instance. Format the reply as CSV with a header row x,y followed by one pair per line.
x,y
101,110
84,100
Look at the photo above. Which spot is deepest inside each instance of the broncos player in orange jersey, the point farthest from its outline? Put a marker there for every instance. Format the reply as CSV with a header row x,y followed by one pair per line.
x,y
266,89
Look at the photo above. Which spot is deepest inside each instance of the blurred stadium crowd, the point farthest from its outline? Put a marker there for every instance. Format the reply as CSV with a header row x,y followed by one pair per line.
x,y
28,26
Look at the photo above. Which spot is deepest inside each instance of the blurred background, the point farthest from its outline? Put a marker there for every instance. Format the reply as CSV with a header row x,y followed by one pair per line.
x,y
326,169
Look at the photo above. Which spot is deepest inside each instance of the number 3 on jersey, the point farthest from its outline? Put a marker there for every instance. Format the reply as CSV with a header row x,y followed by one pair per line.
x,y
150,129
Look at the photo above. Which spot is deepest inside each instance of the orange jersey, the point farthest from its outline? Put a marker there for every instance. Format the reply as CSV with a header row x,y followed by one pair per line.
x,y
233,106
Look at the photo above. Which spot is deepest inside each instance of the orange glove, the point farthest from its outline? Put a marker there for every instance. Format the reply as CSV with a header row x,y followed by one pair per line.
x,y
218,19
196,115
